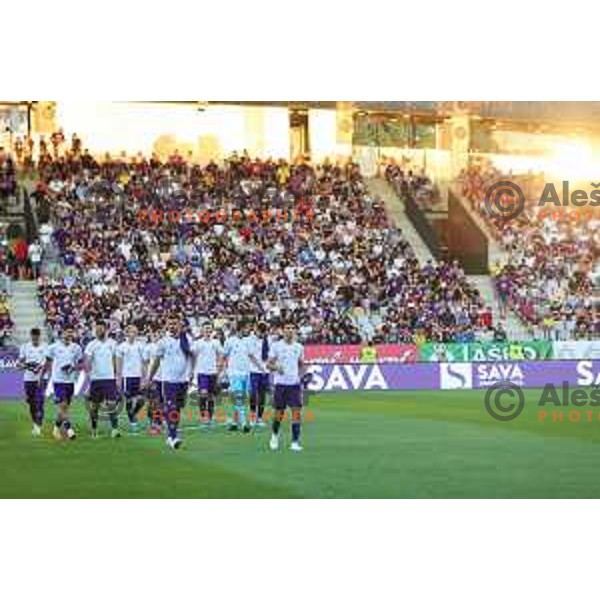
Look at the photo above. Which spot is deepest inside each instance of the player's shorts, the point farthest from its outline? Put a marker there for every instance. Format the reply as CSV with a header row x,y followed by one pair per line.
x,y
207,383
34,391
63,392
287,396
259,382
103,390
131,386
239,383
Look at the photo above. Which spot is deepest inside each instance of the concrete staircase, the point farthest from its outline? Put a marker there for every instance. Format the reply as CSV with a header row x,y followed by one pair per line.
x,y
379,188
25,310
513,326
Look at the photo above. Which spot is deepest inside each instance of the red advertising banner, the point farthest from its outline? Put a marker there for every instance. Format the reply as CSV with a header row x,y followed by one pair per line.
x,y
345,354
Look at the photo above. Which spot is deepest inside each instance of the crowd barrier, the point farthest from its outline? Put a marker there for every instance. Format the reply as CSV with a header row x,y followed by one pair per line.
x,y
401,376
475,352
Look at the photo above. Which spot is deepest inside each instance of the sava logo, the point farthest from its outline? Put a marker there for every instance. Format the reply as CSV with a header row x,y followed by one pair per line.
x,y
456,376
488,375
8,363
586,375
347,377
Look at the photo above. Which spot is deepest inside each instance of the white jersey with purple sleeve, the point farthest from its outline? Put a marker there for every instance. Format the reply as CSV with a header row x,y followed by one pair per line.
x,y
287,357
65,361
100,355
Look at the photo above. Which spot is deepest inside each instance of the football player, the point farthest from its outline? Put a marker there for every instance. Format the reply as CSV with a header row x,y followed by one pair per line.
x,y
65,357
131,368
101,358
208,363
286,360
32,357
174,357
155,409
236,351
259,374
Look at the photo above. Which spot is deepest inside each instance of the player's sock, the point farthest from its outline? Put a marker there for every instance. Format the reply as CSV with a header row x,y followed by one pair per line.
x,y
202,404
277,423
137,408
254,405
58,423
130,411
172,416
66,424
39,413
211,407
172,422
156,412
33,412
94,419
296,428
240,407
261,407
114,420
242,415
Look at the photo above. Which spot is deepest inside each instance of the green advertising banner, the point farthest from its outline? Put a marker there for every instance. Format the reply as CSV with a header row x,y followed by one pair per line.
x,y
485,352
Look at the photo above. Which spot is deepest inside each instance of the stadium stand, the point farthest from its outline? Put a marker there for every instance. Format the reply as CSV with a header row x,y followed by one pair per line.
x,y
343,275
547,276
8,179
6,323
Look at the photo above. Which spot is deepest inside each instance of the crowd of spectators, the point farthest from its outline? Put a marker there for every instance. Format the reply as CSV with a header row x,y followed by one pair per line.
x,y
8,178
343,275
6,324
549,272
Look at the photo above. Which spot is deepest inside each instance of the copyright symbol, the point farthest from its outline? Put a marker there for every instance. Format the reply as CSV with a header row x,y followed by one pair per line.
x,y
509,409
502,211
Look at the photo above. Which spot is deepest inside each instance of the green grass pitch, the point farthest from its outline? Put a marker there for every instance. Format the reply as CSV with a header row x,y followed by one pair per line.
x,y
361,445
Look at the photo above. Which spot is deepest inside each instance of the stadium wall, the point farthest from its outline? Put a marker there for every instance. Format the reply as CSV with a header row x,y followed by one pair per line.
x,y
424,228
466,241
203,132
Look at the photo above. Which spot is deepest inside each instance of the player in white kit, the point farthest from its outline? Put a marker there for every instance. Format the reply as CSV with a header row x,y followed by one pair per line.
x,y
175,357
156,405
65,358
208,362
32,357
259,347
131,369
101,358
286,360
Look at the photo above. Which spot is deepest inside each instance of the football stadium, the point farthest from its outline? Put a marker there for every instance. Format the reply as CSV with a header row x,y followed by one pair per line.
x,y
301,299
